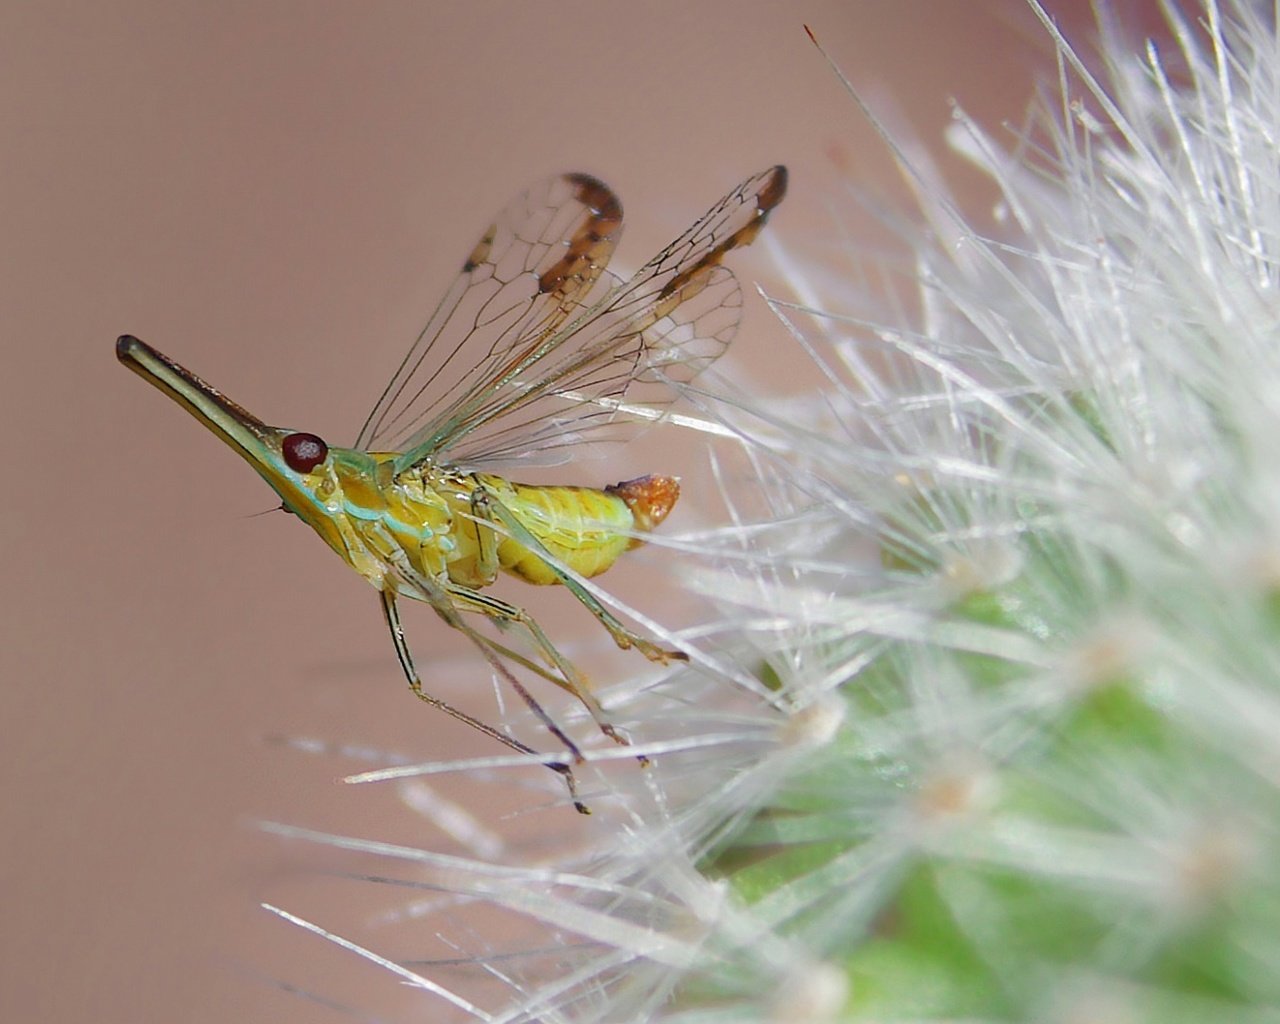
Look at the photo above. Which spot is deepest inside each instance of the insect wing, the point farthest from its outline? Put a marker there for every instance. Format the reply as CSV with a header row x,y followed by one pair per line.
x,y
688,265
554,389
579,401
674,317
527,274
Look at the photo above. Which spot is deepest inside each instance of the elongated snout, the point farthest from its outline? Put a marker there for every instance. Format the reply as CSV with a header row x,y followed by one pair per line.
x,y
284,458
234,424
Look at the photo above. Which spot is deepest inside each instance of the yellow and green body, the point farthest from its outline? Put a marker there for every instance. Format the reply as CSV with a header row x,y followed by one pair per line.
x,y
436,520
439,534
435,516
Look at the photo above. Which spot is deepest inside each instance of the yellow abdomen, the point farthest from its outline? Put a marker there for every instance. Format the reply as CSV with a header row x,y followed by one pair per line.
x,y
585,528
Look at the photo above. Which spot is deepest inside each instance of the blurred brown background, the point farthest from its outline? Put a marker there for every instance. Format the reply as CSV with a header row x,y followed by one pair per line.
x,y
276,194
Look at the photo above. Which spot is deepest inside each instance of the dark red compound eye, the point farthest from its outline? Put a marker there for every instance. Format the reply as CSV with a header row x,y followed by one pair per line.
x,y
303,452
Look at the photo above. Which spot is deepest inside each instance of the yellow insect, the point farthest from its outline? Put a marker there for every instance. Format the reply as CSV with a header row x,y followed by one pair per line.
x,y
528,355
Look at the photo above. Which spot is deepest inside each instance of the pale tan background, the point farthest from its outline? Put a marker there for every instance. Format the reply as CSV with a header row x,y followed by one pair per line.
x,y
276,194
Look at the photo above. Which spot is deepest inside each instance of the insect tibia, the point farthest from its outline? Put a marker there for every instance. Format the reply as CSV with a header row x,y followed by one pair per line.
x,y
650,498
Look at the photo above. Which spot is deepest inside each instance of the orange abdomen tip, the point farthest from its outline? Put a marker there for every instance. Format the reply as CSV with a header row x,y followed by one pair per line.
x,y
650,498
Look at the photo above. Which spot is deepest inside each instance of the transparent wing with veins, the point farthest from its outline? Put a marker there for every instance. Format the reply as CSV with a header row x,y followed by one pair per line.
x,y
536,344
528,272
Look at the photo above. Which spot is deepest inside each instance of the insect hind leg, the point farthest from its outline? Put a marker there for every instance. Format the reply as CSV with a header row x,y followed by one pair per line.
x,y
487,505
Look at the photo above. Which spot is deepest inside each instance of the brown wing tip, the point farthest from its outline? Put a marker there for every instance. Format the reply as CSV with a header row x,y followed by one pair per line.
x,y
650,498
590,246
774,189
599,198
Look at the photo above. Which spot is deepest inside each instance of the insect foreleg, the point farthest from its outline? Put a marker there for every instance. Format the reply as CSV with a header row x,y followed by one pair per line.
x,y
446,610
489,506
570,679
442,601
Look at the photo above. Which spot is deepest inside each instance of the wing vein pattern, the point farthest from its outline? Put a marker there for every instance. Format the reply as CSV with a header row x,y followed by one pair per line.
x,y
535,343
